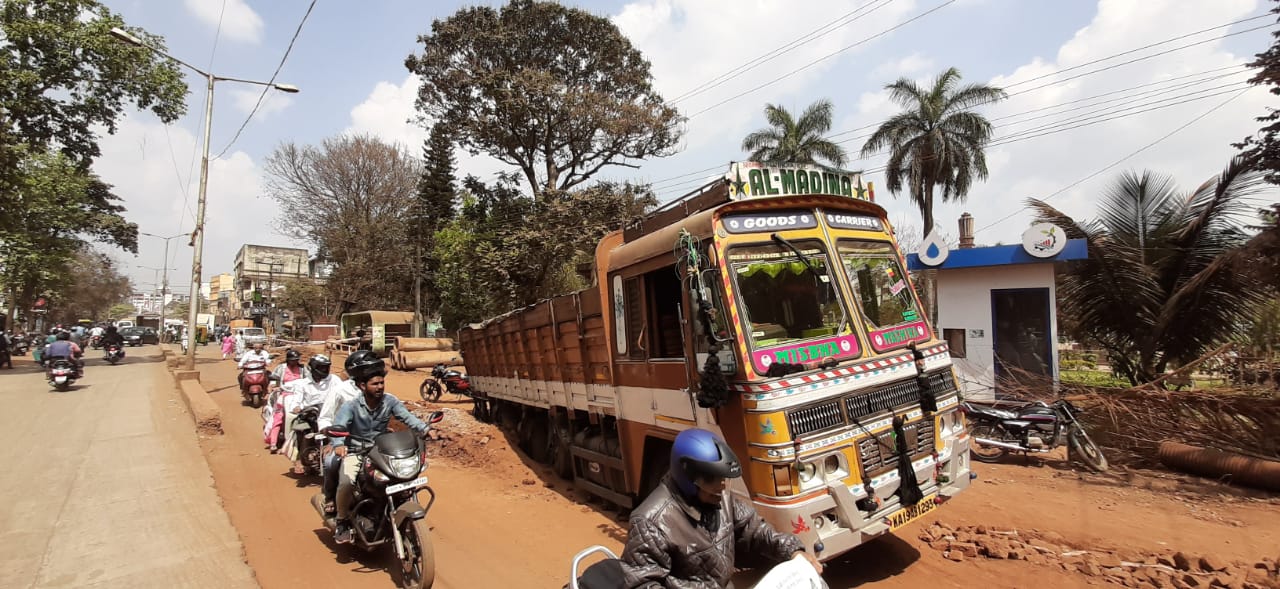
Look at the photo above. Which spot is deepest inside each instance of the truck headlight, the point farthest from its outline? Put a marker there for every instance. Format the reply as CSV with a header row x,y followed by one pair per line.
x,y
807,471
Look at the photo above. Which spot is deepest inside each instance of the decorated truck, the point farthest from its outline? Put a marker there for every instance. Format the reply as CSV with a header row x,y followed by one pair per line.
x,y
770,306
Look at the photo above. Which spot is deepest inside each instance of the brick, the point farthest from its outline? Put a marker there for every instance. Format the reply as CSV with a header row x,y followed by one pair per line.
x,y
1182,561
1209,563
953,555
968,549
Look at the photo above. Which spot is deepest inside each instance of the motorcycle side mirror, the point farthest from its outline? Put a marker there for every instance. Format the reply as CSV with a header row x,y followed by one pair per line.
x,y
435,417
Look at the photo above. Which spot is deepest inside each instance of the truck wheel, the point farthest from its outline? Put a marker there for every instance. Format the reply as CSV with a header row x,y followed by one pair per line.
x,y
538,437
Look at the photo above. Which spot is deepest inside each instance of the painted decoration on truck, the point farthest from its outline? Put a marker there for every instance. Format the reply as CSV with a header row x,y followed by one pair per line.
x,y
749,180
809,351
898,335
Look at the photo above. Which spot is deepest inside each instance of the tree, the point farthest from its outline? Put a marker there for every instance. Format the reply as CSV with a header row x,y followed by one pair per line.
x,y
789,140
94,285
558,92
434,207
177,309
313,300
120,311
351,196
1161,286
1264,146
64,78
55,206
936,142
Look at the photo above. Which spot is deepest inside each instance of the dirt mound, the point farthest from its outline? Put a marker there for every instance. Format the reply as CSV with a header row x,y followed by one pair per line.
x,y
1127,567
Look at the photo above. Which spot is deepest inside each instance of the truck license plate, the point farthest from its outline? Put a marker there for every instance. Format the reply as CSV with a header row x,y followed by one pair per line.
x,y
393,489
907,515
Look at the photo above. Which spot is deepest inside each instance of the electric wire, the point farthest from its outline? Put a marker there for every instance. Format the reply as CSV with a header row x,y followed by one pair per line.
x,y
270,83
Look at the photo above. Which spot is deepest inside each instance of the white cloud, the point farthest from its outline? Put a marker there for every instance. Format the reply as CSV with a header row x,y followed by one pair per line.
x,y
908,66
389,113
138,163
272,103
239,21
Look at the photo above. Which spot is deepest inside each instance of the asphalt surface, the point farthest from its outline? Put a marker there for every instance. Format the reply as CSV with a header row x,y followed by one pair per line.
x,y
104,485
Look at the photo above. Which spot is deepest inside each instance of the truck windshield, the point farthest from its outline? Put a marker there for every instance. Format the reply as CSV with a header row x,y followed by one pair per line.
x,y
878,282
783,298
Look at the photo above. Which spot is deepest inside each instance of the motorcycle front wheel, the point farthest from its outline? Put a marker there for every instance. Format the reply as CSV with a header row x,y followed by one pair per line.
x,y
1087,451
430,390
988,454
418,569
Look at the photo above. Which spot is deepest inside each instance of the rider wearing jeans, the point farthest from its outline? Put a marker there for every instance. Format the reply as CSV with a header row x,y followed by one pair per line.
x,y
364,419
341,395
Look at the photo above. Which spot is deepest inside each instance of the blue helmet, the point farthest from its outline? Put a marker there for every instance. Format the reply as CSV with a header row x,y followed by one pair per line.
x,y
698,453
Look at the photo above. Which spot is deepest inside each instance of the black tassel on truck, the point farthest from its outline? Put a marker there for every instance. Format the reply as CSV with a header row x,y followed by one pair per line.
x,y
909,489
928,398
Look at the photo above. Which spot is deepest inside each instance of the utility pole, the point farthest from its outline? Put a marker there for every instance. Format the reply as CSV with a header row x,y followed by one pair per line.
x,y
197,236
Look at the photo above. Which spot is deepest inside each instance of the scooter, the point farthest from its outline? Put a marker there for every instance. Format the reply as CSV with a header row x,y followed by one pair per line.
x,y
455,382
386,507
114,354
62,373
253,385
309,440
796,573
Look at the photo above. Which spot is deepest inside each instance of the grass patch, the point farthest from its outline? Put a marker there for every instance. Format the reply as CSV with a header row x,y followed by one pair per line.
x,y
1092,378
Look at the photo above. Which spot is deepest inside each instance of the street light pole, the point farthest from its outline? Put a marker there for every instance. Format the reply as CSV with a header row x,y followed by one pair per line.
x,y
197,236
164,286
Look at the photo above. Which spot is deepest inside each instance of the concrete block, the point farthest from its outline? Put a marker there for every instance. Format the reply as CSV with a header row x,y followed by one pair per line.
x,y
187,375
205,413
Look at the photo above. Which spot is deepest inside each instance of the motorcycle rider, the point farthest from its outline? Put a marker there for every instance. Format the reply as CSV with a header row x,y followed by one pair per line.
x,y
111,337
63,347
301,393
364,419
686,531
257,354
346,392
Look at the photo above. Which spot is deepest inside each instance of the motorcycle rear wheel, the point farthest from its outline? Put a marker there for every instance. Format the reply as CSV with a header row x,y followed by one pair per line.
x,y
1087,451
418,569
987,454
430,390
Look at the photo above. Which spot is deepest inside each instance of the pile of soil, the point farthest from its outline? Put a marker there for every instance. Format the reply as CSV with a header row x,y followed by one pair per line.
x,y
1127,567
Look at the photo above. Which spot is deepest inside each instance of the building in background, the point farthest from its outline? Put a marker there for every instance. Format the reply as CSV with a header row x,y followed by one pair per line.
x,y
222,297
260,273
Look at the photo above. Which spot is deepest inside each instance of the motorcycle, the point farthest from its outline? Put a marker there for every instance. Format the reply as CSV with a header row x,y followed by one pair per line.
x,y
95,342
62,373
309,440
114,354
1035,427
796,573
253,384
455,382
21,346
386,507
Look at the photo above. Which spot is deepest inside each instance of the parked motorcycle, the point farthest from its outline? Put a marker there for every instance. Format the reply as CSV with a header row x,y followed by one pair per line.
x,y
114,354
61,373
1030,427
20,346
455,382
253,383
386,507
608,574
308,439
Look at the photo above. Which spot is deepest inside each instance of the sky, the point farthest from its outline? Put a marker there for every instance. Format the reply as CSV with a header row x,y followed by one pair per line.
x,y
1096,89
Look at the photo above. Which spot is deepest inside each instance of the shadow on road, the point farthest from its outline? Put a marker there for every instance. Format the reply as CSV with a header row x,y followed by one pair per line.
x,y
377,561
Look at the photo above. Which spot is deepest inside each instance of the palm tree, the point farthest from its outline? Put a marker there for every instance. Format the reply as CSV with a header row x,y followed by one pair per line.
x,y
792,141
937,141
1162,283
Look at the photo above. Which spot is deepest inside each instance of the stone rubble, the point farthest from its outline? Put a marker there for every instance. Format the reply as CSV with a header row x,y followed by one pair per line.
x,y
1128,568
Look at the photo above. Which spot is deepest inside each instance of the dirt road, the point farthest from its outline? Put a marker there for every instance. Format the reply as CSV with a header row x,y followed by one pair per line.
x,y
500,522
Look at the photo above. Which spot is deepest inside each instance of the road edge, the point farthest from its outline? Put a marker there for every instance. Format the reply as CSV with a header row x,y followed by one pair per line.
x,y
206,414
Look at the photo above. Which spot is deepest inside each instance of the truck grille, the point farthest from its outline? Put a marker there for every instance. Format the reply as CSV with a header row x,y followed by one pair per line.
x,y
879,453
815,418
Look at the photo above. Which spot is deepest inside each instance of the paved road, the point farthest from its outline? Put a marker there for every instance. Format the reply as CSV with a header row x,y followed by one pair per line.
x,y
104,485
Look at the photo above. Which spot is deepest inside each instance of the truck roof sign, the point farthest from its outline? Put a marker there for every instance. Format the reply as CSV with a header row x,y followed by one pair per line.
x,y
748,180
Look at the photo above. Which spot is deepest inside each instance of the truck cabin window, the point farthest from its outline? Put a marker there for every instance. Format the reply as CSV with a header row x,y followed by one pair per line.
x,y
786,297
882,288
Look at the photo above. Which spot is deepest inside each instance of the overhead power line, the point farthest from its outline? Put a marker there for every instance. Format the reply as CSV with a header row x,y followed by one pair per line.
x,y
270,83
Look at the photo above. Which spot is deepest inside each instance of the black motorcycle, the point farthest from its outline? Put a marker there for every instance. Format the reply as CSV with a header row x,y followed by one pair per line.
x,y
1029,427
20,346
386,507
454,381
308,439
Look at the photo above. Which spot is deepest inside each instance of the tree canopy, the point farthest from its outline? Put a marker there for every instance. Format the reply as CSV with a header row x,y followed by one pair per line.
x,y
558,92
802,141
1162,283
937,141
1264,146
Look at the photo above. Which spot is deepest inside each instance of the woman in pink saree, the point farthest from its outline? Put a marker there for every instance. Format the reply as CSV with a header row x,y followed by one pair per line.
x,y
273,414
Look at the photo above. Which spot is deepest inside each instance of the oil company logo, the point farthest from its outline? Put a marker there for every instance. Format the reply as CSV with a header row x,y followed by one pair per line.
x,y
893,337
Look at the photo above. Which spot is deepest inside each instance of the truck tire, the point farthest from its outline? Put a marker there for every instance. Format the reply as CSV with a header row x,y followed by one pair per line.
x,y
539,437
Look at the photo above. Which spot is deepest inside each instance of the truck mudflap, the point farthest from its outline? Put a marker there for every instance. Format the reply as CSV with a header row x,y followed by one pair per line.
x,y
834,520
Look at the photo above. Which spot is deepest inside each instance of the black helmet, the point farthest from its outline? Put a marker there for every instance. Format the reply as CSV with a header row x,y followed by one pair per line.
x,y
363,365
64,335
319,365
698,453
293,355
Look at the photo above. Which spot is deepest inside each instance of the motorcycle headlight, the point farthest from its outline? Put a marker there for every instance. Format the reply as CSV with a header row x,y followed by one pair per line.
x,y
404,468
